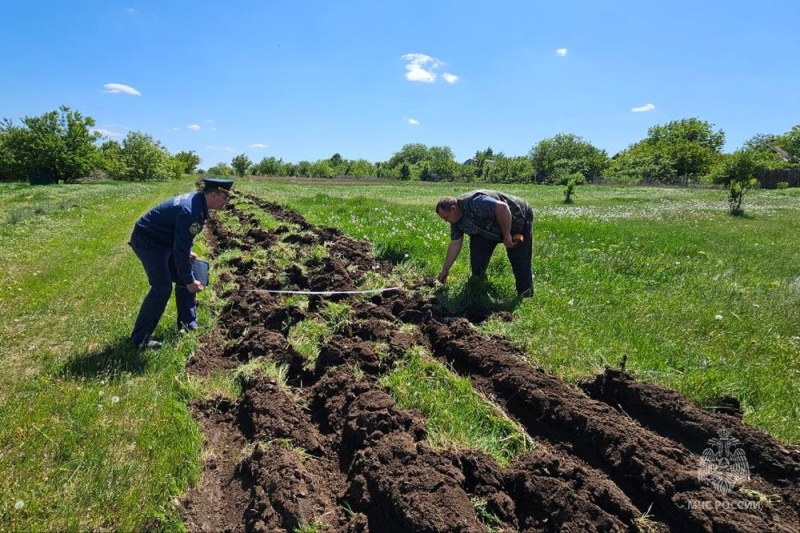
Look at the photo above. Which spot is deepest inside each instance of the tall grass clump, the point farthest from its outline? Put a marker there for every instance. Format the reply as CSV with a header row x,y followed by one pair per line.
x,y
455,414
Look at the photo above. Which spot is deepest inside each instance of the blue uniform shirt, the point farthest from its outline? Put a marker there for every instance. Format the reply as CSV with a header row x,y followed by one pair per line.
x,y
174,224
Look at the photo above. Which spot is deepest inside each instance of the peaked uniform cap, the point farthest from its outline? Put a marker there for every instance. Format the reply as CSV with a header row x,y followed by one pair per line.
x,y
211,184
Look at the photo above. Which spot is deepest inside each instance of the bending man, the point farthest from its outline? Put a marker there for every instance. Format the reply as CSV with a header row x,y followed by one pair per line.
x,y
489,218
162,240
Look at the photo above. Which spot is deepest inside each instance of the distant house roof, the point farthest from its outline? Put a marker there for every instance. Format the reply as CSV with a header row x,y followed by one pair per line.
x,y
783,154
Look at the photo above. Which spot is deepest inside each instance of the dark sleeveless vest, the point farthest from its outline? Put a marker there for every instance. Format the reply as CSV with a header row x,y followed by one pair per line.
x,y
489,228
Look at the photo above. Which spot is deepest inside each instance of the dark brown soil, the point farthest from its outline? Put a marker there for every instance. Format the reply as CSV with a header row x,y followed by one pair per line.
x,y
333,452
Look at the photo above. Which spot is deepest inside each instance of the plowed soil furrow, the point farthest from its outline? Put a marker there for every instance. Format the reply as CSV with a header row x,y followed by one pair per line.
x,y
670,414
333,451
650,468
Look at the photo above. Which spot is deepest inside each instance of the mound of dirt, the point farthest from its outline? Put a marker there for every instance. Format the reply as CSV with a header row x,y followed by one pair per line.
x,y
333,451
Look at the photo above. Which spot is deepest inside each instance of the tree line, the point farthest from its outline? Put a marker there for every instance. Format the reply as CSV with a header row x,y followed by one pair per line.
x,y
63,146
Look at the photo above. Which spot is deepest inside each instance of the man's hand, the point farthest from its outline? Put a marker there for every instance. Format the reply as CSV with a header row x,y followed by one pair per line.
x,y
194,287
509,242
442,277
192,257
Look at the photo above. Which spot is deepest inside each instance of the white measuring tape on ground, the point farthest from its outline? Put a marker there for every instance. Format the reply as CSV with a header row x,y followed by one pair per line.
x,y
325,293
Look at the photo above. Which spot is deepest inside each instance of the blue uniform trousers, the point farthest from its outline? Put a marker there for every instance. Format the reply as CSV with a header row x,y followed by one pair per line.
x,y
159,265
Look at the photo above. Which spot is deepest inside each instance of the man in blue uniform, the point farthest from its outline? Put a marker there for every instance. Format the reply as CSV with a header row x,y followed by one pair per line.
x,y
162,240
489,218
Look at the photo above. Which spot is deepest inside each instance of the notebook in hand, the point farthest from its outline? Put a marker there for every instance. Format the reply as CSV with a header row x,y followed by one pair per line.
x,y
200,269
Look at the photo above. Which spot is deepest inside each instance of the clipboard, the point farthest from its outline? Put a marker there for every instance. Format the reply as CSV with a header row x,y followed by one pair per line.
x,y
200,269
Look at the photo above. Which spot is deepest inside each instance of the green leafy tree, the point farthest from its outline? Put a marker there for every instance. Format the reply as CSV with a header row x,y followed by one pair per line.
x,y
642,163
737,172
303,168
790,142
488,164
691,144
410,154
289,169
764,149
139,158
515,169
691,130
269,166
189,161
340,166
361,168
58,145
405,172
111,159
6,160
220,169
321,169
761,142
566,154
240,164
440,163
675,153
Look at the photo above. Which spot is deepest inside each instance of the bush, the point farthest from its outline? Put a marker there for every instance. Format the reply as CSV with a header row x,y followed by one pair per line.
x,y
736,171
56,146
140,158
569,189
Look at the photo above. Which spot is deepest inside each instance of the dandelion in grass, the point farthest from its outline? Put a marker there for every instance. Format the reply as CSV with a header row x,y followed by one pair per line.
x,y
19,505
101,394
571,302
717,317
115,399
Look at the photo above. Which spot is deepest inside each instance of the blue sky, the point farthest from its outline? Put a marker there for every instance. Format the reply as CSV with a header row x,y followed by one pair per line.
x,y
302,80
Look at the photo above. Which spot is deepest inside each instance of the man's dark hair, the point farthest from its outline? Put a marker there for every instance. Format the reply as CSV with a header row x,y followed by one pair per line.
x,y
446,203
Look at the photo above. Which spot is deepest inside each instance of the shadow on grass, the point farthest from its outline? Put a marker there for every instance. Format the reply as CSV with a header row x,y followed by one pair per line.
x,y
477,300
115,358
740,213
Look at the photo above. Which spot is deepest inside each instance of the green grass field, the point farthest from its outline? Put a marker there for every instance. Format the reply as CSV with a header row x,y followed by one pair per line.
x,y
94,435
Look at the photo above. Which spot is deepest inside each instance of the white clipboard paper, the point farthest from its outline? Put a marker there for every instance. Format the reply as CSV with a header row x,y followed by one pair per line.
x,y
200,270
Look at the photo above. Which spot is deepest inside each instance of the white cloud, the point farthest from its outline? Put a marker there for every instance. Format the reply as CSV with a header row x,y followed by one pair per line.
x,y
644,108
450,78
561,52
119,88
413,122
259,145
421,67
193,127
106,133
220,148
417,73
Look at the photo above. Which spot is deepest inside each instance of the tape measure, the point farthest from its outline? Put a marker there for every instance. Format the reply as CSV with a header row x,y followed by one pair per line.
x,y
325,293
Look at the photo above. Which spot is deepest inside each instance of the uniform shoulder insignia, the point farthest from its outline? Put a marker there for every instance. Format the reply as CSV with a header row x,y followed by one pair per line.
x,y
195,228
